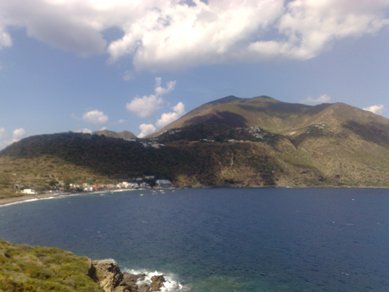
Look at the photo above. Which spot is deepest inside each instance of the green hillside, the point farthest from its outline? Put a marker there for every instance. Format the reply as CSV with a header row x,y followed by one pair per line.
x,y
27,268
231,141
125,135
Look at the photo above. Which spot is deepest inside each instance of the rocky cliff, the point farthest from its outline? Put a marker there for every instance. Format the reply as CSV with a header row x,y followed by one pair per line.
x,y
110,278
36,268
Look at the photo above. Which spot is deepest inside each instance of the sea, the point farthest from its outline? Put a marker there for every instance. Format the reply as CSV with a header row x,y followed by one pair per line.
x,y
222,239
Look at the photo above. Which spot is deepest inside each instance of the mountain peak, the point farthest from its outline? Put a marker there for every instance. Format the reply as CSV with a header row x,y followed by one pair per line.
x,y
241,141
235,99
267,113
226,99
264,98
125,135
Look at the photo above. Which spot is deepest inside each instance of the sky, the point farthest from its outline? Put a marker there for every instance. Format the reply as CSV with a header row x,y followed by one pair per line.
x,y
82,66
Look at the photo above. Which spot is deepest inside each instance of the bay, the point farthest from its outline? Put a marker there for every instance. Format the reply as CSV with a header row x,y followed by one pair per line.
x,y
269,239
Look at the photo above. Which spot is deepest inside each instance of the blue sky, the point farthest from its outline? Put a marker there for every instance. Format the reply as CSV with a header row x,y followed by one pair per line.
x,y
129,65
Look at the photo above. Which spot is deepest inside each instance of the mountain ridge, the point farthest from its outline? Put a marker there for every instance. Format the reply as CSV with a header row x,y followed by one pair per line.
x,y
232,141
125,135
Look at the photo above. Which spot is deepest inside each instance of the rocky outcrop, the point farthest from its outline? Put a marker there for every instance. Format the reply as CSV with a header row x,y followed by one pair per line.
x,y
157,283
108,275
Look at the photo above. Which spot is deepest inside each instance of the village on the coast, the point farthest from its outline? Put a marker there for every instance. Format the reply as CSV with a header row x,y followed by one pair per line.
x,y
145,182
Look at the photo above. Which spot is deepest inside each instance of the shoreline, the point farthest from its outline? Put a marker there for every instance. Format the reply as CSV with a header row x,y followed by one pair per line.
x,y
29,198
4,202
32,198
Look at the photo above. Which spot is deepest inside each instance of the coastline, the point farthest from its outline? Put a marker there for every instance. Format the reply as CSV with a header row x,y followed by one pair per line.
x,y
49,196
28,198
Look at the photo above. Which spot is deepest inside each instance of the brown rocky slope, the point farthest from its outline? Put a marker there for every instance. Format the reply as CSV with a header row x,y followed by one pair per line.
x,y
232,141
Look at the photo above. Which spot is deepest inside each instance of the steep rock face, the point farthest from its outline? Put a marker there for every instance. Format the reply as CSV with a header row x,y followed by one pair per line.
x,y
108,275
157,283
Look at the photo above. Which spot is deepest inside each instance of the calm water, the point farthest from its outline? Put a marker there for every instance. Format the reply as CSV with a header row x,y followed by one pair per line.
x,y
224,239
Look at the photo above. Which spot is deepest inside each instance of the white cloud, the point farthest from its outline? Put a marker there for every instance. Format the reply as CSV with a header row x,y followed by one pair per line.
x,y
169,117
85,131
175,35
18,134
160,90
324,98
376,109
95,117
146,105
306,28
5,39
7,139
146,129
67,25
166,118
161,34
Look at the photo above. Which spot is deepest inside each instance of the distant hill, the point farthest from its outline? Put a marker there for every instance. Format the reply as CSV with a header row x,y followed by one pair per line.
x,y
231,141
278,117
125,135
346,145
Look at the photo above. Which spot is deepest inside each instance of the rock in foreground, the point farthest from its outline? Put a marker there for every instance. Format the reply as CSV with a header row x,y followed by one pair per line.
x,y
108,275
36,268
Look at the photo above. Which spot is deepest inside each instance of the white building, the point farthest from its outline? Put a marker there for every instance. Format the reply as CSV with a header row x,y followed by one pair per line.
x,y
29,192
165,183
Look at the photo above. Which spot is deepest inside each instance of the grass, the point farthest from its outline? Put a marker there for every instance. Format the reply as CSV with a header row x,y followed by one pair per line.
x,y
27,268
316,160
41,172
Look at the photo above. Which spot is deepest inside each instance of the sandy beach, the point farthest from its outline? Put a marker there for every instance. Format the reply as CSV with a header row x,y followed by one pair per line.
x,y
31,198
27,198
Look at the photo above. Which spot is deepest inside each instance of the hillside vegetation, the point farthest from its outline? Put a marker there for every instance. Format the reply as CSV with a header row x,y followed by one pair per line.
x,y
231,141
27,268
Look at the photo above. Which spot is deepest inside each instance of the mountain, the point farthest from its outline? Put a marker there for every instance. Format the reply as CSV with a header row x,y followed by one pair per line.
x,y
231,141
125,135
277,117
344,144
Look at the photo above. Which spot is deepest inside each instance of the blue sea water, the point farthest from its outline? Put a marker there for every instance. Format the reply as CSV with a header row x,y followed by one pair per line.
x,y
269,239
